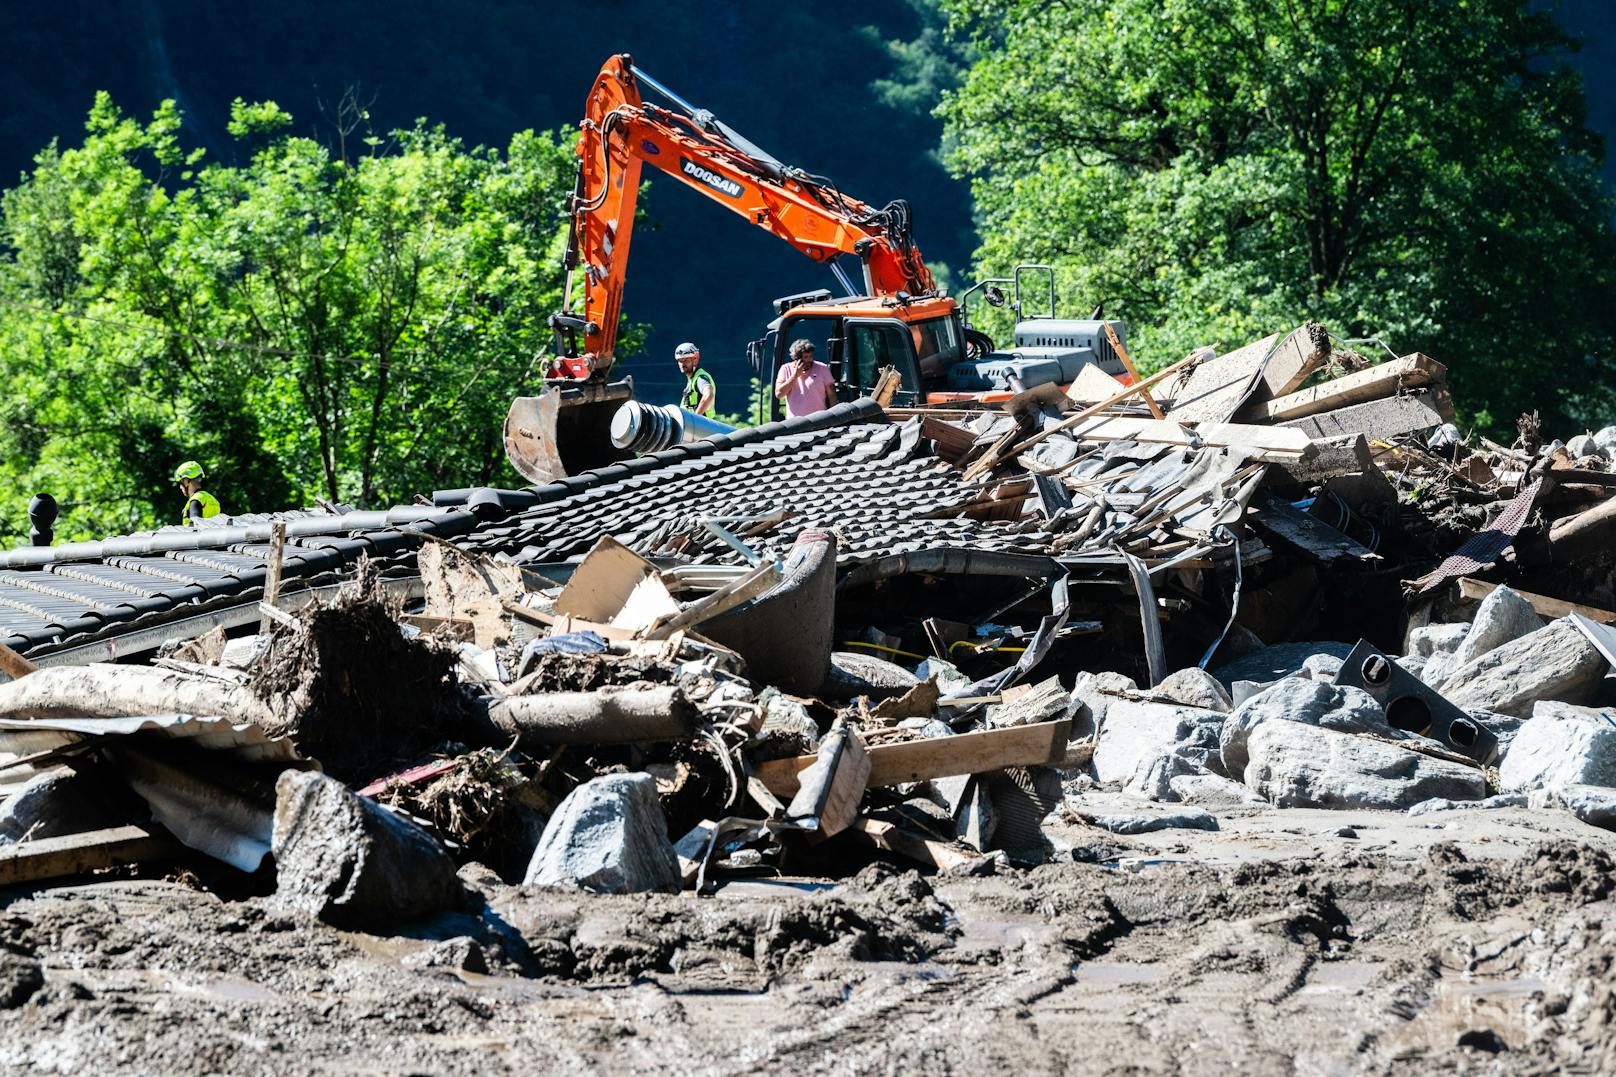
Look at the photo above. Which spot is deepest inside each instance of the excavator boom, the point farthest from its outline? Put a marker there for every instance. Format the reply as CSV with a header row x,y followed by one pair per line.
x,y
620,133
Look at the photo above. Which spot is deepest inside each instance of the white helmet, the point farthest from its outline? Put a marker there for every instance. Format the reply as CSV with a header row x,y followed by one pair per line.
x,y
685,350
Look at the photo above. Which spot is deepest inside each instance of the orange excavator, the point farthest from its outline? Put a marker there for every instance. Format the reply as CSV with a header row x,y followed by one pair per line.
x,y
893,315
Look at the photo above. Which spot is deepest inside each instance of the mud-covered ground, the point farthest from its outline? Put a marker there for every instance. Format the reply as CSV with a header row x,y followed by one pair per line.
x,y
1288,942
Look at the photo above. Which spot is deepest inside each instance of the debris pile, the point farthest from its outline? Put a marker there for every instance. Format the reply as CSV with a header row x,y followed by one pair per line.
x,y
1276,577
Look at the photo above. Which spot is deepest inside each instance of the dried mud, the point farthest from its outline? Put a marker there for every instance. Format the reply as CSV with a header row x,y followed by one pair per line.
x,y
1434,959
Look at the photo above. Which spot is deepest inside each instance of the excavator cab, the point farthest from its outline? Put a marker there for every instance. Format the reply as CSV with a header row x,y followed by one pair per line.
x,y
858,337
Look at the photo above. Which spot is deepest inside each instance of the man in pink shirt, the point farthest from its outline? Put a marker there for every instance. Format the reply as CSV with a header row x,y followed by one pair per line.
x,y
805,385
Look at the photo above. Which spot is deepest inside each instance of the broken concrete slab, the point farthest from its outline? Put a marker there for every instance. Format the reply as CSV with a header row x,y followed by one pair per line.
x,y
609,836
1560,745
1307,702
1556,662
351,863
1293,765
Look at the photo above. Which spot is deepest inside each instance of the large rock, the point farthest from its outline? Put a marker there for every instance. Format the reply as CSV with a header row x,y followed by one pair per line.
x,y
352,863
609,835
1298,700
1194,687
1427,641
1560,745
1593,804
1212,791
1503,616
1133,734
1555,662
1094,693
1300,766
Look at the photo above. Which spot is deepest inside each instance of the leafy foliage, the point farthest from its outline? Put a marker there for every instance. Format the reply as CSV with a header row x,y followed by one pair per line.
x,y
346,324
1214,170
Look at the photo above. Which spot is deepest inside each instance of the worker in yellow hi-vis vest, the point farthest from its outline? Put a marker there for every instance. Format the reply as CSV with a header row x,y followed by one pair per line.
x,y
199,504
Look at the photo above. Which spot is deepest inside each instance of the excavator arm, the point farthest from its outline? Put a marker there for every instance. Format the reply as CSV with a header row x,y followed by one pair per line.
x,y
620,133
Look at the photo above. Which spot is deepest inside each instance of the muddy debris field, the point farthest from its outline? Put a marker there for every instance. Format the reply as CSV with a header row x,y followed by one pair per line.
x,y
1254,718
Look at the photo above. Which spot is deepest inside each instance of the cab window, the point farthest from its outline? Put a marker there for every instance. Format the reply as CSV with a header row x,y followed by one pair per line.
x,y
937,345
874,345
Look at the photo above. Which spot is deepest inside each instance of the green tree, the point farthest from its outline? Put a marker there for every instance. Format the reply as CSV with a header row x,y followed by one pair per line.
x,y
343,323
1214,170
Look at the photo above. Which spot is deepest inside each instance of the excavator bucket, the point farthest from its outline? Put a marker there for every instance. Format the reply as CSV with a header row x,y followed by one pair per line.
x,y
564,430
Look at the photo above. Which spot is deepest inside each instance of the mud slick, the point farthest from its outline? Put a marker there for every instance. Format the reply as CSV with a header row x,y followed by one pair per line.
x,y
1214,741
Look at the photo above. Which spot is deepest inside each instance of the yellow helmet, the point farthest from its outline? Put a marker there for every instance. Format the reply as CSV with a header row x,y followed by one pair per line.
x,y
189,470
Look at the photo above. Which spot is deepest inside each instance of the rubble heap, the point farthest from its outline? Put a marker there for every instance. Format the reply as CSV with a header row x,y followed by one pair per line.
x,y
1279,576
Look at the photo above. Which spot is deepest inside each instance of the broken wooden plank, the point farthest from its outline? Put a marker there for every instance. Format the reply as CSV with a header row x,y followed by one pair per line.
x,y
1003,450
1217,388
1127,364
1332,457
1306,534
891,838
1379,420
1373,383
952,441
832,785
1270,443
940,757
78,854
272,582
1295,359
13,664
1472,588
616,586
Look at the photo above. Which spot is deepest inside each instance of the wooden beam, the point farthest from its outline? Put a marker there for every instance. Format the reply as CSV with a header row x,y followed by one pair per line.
x,y
272,582
1374,383
1308,535
78,854
940,757
1293,361
1274,444
891,838
1543,604
1331,458
1379,420
1003,451
13,664
1127,364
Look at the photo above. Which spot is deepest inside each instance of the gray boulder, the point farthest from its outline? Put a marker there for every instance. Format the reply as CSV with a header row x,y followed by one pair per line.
x,y
1134,734
609,835
1605,438
1555,662
1318,703
1560,745
1493,803
1321,667
1583,446
1094,693
351,863
1194,687
1211,791
1593,804
1503,616
1430,640
1299,766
